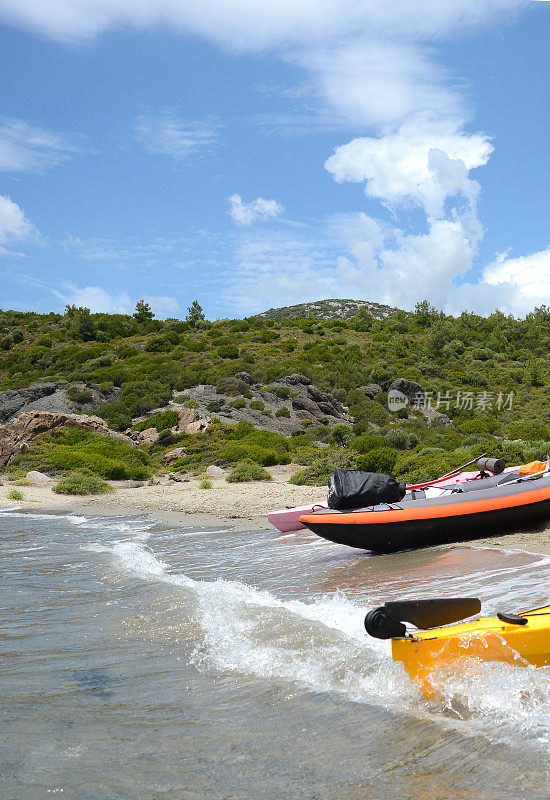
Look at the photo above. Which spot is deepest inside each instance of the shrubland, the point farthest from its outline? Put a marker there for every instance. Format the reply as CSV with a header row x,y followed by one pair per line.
x,y
149,361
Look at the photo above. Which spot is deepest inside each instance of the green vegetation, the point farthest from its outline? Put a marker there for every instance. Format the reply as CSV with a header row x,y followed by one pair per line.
x,y
248,471
146,362
162,421
80,483
205,484
15,494
74,449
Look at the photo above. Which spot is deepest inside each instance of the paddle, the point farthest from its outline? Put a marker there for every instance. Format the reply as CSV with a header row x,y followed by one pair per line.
x,y
451,474
387,621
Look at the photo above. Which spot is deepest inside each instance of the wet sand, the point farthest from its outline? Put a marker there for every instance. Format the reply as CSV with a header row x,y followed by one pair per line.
x,y
240,506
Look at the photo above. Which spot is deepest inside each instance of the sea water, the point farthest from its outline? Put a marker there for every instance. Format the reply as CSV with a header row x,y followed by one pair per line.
x,y
139,662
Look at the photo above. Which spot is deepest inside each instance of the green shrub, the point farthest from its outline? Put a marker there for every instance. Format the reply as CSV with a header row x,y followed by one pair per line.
x,y
166,437
77,483
381,459
228,351
15,494
340,434
367,442
531,431
161,421
205,484
283,392
80,396
282,412
75,449
238,403
398,438
257,405
248,471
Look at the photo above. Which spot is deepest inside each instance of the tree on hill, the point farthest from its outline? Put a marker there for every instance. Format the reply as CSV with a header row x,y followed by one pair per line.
x,y
79,322
143,312
194,313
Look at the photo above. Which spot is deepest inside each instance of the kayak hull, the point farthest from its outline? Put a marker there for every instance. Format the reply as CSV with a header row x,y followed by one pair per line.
x,y
288,519
452,519
488,639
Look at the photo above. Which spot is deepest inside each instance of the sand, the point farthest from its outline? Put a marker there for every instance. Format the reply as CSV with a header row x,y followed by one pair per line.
x,y
242,506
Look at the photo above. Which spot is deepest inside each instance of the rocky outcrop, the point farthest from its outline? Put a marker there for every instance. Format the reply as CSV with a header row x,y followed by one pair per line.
x,y
54,398
409,388
16,434
283,406
418,399
173,455
371,390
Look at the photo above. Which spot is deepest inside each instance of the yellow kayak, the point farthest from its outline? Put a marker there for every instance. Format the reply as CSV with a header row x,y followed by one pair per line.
x,y
518,639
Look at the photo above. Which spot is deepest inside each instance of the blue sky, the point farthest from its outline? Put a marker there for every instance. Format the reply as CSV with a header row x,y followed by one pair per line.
x,y
259,154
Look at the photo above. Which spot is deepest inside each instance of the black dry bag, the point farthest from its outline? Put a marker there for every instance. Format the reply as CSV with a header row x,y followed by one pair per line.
x,y
351,488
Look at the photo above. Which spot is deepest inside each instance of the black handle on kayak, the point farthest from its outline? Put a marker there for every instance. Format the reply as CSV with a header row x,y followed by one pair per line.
x,y
387,621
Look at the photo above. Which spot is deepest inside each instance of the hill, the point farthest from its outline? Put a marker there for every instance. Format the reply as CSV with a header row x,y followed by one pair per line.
x,y
330,309
264,391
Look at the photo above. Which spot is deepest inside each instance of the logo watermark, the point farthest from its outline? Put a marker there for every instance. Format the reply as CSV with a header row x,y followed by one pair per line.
x,y
460,400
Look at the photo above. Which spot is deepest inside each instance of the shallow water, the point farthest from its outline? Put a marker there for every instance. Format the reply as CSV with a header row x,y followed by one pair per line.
x,y
139,662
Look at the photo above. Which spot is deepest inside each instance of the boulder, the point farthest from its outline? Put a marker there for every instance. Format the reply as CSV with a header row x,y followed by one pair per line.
x,y
15,435
371,390
296,380
191,420
173,455
246,377
214,471
148,436
179,477
409,388
38,478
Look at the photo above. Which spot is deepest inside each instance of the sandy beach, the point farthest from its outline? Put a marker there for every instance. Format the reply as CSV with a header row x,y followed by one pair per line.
x,y
239,506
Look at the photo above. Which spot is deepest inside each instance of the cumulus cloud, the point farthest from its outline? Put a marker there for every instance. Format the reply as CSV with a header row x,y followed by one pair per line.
x,y
515,285
169,135
14,225
423,162
259,210
29,148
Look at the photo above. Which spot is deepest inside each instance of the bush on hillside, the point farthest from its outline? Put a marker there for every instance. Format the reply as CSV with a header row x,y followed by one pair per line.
x,y
248,471
161,421
78,483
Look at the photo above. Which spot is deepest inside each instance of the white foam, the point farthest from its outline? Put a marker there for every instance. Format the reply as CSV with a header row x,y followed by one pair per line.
x,y
322,646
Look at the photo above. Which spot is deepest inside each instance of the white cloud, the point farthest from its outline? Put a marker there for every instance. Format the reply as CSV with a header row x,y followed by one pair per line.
x,y
99,300
169,135
370,82
424,162
163,305
29,148
95,298
249,25
259,210
14,225
515,285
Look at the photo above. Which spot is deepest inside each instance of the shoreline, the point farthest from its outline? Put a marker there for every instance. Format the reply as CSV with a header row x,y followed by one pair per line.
x,y
237,506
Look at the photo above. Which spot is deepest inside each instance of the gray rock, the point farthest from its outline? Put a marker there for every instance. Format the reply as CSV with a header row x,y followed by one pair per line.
x,y
214,471
179,477
409,388
296,380
38,477
245,376
371,390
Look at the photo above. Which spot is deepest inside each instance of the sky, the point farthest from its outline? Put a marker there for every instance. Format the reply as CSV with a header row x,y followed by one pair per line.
x,y
256,154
